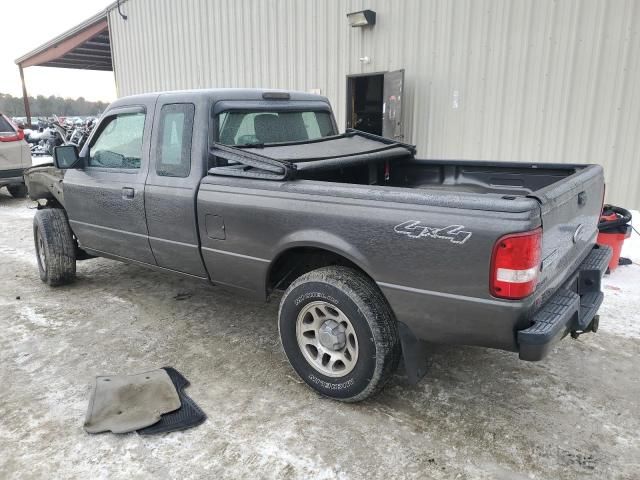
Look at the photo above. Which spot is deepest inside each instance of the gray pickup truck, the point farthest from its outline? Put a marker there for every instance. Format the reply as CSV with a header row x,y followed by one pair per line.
x,y
377,251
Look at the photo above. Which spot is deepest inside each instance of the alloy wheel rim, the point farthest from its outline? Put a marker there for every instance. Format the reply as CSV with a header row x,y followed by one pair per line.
x,y
327,339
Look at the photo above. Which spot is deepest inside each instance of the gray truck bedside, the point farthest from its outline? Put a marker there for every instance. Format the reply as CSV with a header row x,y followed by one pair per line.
x,y
376,251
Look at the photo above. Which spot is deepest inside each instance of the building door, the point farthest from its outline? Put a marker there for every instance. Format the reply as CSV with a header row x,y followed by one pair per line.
x,y
175,172
392,125
374,103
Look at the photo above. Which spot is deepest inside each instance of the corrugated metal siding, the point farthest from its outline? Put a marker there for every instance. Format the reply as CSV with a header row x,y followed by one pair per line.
x,y
535,80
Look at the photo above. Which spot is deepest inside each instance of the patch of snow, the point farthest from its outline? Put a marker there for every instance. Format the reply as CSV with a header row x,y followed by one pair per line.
x,y
302,465
41,160
37,318
116,298
27,255
9,212
17,241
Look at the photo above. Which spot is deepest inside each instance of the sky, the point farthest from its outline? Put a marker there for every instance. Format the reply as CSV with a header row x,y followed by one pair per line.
x,y
24,26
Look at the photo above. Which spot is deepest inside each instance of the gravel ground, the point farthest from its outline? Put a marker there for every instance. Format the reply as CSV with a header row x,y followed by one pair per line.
x,y
478,413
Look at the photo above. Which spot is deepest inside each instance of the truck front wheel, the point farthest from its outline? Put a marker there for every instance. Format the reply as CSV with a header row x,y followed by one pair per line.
x,y
339,333
55,249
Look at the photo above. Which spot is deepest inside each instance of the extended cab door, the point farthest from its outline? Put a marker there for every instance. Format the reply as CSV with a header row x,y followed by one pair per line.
x,y
177,166
105,199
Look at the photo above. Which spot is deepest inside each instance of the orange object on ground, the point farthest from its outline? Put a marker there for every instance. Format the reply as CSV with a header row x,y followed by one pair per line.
x,y
615,241
613,230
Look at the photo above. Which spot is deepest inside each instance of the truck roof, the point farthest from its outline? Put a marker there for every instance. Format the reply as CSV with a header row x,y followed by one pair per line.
x,y
219,94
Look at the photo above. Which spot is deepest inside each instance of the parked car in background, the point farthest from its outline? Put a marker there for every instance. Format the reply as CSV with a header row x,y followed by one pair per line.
x,y
15,156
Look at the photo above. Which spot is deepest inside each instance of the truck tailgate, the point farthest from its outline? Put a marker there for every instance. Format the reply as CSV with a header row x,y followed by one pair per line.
x,y
570,210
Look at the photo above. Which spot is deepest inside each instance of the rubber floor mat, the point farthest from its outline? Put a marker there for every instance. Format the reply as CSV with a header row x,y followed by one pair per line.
x,y
187,416
125,403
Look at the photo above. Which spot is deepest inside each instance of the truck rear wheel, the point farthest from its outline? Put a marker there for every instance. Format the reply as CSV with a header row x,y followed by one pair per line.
x,y
55,249
339,333
17,191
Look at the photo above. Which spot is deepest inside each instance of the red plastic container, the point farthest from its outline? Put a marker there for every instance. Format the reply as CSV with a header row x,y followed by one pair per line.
x,y
615,240
614,227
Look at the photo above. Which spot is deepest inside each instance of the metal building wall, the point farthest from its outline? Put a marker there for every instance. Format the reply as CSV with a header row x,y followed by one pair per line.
x,y
528,80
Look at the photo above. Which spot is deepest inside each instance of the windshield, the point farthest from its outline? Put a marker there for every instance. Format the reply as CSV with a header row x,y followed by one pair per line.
x,y
263,127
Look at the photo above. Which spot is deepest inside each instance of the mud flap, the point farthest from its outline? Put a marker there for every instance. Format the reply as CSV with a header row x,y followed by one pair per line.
x,y
414,353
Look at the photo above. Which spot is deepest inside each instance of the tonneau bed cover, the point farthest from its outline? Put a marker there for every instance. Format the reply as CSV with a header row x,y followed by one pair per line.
x,y
280,161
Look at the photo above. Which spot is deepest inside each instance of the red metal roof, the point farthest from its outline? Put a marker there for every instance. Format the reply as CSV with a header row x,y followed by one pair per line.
x,y
86,46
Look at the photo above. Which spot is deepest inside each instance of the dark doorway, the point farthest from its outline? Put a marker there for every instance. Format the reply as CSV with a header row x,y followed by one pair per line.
x,y
365,99
374,103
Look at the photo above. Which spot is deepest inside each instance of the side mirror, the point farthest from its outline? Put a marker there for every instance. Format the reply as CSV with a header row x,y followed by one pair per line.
x,y
66,156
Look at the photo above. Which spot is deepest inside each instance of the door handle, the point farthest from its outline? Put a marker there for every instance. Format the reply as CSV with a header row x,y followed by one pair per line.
x,y
128,193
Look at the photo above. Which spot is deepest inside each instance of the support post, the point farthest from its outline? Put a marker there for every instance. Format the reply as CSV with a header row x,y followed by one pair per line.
x,y
25,98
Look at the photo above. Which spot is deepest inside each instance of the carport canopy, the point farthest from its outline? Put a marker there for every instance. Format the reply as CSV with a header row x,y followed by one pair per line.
x,y
87,46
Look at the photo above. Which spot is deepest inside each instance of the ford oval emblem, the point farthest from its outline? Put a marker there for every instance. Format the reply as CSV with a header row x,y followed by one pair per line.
x,y
576,234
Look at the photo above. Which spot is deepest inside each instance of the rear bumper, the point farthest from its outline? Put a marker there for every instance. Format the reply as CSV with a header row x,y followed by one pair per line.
x,y
11,181
571,309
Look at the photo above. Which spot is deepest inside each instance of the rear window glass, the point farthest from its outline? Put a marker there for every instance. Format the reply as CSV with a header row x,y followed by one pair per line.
x,y
5,126
263,127
174,153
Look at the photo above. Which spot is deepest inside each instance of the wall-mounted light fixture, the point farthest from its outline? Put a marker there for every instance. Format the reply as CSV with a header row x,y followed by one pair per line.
x,y
363,18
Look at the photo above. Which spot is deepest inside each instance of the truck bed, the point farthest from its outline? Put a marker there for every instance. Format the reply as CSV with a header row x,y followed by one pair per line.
x,y
497,178
368,198
363,159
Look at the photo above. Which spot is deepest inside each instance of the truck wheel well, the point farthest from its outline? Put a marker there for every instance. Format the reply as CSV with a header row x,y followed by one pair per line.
x,y
297,261
49,203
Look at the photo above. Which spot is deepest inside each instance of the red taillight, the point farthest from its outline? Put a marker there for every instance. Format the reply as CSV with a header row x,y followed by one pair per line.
x,y
515,265
12,138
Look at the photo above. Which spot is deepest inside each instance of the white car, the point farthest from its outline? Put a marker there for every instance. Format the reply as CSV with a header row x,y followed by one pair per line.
x,y
15,157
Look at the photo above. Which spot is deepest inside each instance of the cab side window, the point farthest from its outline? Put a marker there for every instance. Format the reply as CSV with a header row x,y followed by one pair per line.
x,y
173,152
119,143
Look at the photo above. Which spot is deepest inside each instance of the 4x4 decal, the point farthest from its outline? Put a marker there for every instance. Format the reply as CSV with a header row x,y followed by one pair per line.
x,y
415,229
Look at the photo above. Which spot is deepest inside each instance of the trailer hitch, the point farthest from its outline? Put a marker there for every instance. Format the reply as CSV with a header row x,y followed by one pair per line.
x,y
593,327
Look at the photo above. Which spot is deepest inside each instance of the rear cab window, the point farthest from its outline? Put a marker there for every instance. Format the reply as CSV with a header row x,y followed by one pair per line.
x,y
173,156
265,126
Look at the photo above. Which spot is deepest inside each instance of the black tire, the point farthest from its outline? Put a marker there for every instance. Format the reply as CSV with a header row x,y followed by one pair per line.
x,y
55,249
18,191
378,345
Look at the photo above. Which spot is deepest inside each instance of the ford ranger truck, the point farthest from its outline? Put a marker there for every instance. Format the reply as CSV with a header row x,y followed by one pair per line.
x,y
372,251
